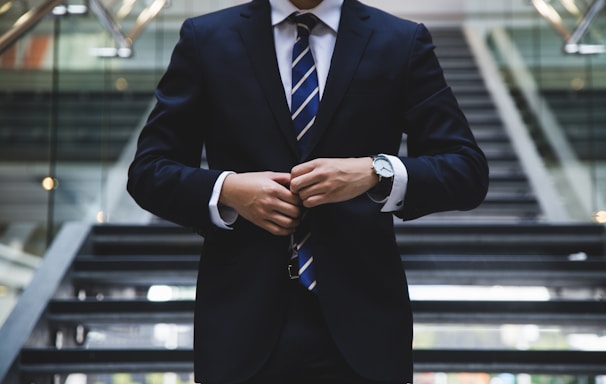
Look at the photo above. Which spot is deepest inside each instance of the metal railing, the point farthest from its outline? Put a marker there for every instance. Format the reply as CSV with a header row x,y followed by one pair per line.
x,y
108,19
584,17
26,22
22,320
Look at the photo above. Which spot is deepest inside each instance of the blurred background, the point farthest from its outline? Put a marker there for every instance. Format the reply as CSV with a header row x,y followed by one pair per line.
x,y
95,290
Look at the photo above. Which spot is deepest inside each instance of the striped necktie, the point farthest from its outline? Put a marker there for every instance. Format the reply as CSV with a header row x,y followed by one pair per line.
x,y
304,106
305,92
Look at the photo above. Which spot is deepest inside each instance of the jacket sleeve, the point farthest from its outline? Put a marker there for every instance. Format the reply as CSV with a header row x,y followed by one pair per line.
x,y
446,168
165,177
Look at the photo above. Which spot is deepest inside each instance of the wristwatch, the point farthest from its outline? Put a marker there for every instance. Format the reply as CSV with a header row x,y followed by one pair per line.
x,y
383,168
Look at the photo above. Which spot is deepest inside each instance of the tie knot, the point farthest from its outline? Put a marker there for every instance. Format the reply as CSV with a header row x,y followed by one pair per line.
x,y
305,23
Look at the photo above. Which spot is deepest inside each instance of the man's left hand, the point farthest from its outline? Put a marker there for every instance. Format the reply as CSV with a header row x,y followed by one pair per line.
x,y
323,181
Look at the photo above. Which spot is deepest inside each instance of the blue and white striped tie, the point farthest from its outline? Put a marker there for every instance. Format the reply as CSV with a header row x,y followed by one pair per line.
x,y
304,106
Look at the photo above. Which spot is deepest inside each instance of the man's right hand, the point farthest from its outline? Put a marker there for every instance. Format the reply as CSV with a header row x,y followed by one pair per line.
x,y
264,198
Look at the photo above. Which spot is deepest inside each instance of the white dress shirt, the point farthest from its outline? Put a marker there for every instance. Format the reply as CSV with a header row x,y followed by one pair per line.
x,y
322,43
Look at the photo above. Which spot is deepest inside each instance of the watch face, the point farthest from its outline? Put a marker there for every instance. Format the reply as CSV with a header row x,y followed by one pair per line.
x,y
383,167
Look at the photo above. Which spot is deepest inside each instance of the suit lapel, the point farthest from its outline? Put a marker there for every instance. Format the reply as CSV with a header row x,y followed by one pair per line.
x,y
353,36
257,35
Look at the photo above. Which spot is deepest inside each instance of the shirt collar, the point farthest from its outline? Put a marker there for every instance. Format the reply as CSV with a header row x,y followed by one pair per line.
x,y
328,11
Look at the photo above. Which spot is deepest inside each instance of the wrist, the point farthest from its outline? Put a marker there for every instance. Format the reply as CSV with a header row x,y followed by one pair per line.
x,y
373,178
225,193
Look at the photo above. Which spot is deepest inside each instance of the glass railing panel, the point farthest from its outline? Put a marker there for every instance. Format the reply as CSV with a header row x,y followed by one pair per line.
x,y
23,133
570,90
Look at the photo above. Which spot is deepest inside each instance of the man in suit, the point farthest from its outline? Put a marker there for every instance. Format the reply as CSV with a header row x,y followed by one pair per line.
x,y
229,89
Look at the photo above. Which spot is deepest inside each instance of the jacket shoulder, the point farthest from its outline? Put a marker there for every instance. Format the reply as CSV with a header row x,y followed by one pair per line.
x,y
396,28
227,16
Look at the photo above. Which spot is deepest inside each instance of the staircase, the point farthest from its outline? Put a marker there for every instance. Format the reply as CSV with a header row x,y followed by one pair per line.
x,y
510,197
119,300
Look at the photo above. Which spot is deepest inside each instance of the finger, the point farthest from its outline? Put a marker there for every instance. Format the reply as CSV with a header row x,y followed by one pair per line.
x,y
275,229
315,200
284,179
285,208
280,226
311,186
303,181
285,222
288,197
303,168
281,178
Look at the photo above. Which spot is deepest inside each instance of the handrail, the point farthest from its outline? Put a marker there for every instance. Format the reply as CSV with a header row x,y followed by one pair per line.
x,y
125,44
572,40
26,22
22,320
573,44
547,10
146,16
124,41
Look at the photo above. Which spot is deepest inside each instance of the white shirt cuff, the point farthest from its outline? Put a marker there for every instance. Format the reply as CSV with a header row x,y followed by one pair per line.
x,y
221,216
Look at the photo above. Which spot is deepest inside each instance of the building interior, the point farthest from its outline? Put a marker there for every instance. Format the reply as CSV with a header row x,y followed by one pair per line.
x,y
93,289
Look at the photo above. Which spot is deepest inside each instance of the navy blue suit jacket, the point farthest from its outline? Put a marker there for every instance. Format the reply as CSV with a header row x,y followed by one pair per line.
x,y
222,91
